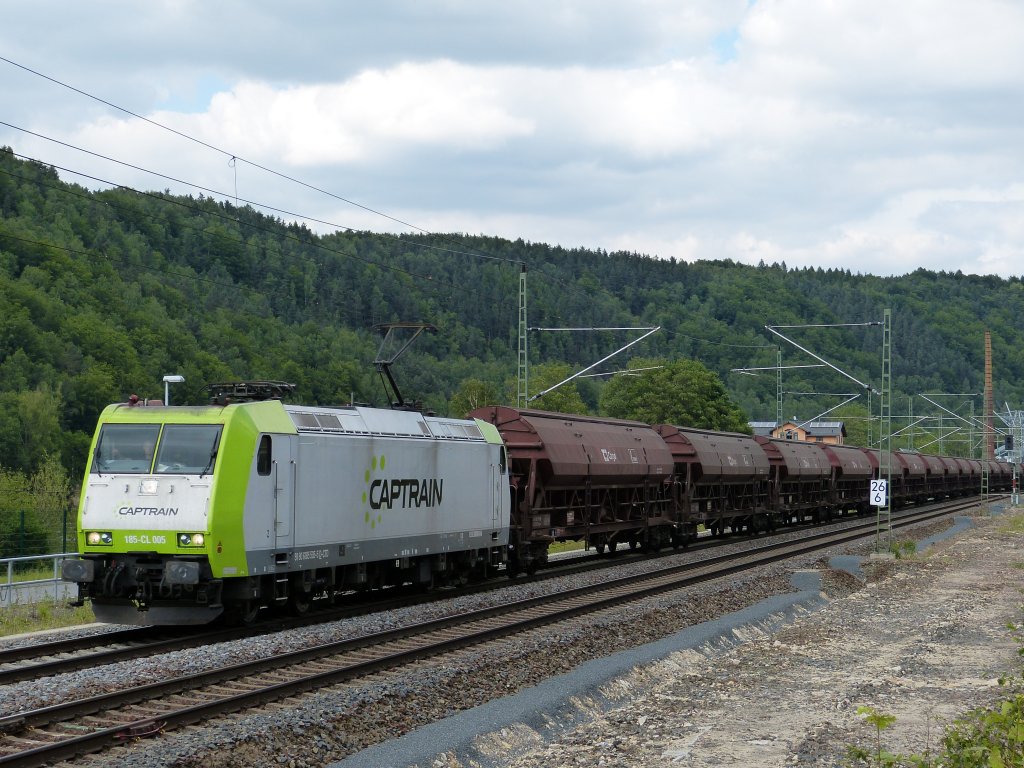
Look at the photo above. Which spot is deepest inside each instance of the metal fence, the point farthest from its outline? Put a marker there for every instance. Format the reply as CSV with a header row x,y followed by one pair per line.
x,y
15,590
26,533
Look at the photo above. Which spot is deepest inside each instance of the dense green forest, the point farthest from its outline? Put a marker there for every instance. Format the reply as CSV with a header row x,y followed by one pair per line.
x,y
105,292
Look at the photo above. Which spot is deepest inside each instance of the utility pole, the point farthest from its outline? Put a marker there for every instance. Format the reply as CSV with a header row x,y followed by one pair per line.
x,y
970,432
884,520
989,449
910,412
778,395
522,390
989,452
1015,421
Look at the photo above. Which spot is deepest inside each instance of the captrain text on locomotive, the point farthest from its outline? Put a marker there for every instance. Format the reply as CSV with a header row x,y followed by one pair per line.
x,y
188,513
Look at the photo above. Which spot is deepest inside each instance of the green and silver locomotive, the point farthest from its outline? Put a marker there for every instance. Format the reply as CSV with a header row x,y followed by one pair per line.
x,y
188,513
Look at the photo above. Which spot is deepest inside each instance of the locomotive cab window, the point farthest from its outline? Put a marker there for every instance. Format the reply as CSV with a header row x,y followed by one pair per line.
x,y
188,449
263,456
125,448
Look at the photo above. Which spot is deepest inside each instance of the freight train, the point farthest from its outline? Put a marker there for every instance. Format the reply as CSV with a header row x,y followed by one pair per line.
x,y
609,482
189,514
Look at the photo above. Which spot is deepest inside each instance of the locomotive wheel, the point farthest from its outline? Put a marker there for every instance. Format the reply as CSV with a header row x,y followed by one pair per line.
x,y
242,612
299,603
248,610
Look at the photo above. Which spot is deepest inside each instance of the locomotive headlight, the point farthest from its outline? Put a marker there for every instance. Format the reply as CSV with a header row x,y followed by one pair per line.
x,y
99,538
191,539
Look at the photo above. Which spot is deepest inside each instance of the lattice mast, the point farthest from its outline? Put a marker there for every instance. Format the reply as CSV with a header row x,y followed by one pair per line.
x,y
990,447
522,390
883,527
778,392
988,450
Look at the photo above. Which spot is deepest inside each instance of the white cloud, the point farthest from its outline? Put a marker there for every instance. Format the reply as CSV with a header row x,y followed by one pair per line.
x,y
875,136
867,44
410,106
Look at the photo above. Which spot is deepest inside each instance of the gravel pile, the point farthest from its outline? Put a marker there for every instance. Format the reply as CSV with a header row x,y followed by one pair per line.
x,y
329,725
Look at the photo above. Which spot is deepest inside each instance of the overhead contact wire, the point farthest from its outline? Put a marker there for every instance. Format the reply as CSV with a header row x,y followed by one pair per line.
x,y
234,156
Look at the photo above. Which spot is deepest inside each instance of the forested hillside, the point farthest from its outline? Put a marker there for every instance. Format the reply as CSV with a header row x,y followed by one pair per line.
x,y
105,292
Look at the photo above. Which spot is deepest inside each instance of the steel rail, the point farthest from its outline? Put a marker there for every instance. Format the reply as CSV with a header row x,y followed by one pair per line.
x,y
140,642
69,645
371,653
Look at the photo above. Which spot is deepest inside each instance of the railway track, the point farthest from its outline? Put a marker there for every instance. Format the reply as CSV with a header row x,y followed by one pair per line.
x,y
66,655
63,731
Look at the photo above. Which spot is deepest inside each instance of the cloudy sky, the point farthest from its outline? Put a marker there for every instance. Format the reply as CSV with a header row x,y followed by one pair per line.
x,y
875,136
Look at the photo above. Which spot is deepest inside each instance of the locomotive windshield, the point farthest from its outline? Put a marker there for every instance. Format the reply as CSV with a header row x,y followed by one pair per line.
x,y
181,449
188,449
126,448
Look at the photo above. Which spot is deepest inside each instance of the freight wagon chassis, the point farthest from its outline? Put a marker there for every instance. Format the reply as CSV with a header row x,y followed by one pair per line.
x,y
736,506
797,503
602,518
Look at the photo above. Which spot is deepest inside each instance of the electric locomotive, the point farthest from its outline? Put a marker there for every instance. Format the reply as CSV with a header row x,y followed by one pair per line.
x,y
188,513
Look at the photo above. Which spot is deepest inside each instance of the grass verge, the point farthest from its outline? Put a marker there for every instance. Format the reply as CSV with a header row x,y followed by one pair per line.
x,y
38,617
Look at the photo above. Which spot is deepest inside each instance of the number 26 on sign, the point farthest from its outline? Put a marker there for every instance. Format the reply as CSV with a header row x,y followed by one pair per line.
x,y
879,489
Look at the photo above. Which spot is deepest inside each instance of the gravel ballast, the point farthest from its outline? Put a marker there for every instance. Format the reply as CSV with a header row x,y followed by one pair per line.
x,y
722,699
925,640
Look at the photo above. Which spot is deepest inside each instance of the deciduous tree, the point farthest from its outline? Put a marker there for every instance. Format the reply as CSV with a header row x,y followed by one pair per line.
x,y
680,392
